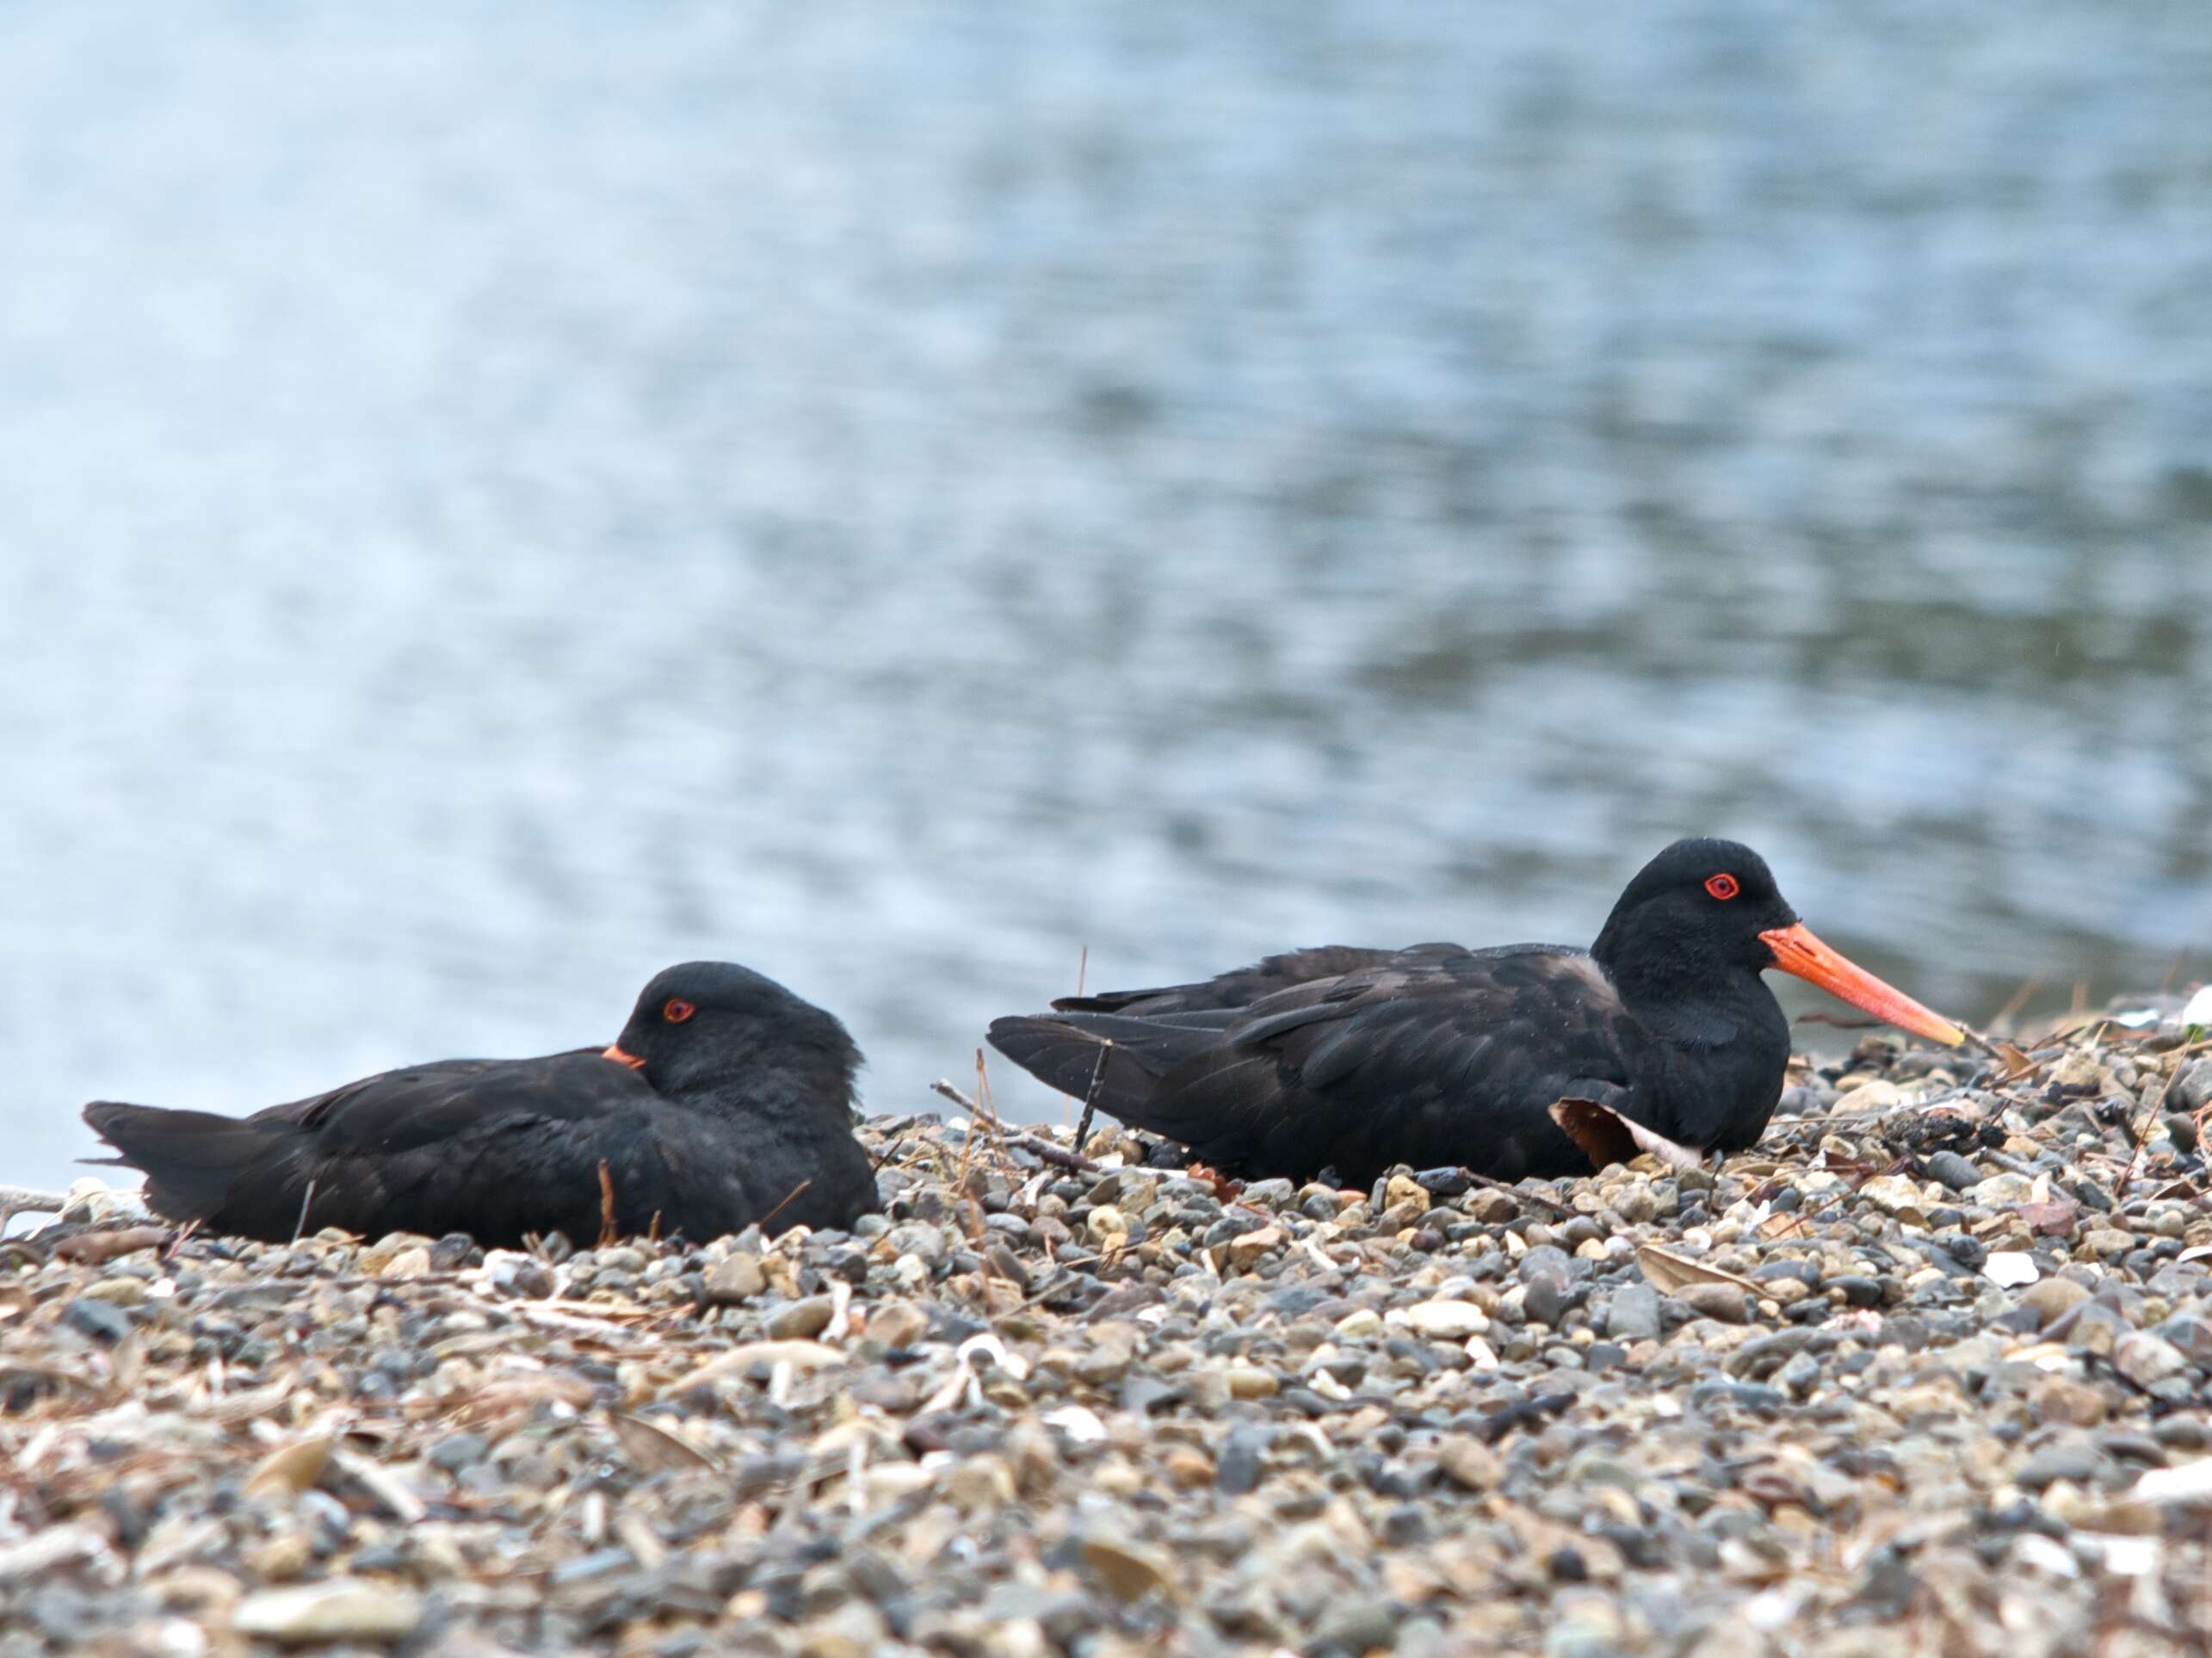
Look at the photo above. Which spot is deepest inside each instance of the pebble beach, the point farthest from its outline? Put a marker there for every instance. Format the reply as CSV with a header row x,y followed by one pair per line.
x,y
1924,1372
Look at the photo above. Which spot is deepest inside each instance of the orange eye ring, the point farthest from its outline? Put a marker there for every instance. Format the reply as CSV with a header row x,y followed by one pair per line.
x,y
1723,887
676,1009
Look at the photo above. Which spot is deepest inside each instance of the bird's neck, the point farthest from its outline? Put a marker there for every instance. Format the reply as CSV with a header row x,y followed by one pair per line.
x,y
803,1090
1692,1003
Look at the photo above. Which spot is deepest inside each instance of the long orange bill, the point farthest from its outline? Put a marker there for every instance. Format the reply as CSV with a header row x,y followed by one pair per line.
x,y
614,1053
1796,951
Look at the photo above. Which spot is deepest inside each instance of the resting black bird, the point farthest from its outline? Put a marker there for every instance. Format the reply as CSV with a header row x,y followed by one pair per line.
x,y
1355,1060
726,1100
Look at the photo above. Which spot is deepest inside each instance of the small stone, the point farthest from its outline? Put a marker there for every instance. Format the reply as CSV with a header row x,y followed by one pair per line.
x,y
1952,1169
2190,1332
2054,1296
2058,1399
2002,1191
281,1558
2102,1242
1492,1208
736,1278
1189,1468
981,1483
1249,1382
1443,1321
101,1321
1402,1189
1361,1324
456,1451
1242,1460
337,1609
1544,1300
525,1278
2145,1358
1130,1569
1634,1314
800,1321
1724,1302
1248,1247
899,1326
2074,1463
407,1264
1106,1222
1893,1194
1470,1463
1363,1624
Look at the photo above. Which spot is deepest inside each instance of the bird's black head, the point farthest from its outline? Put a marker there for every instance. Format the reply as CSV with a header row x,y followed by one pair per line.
x,y
1696,912
702,1026
1705,910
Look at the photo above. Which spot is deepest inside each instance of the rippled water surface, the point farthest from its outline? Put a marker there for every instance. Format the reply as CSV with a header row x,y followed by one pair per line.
x,y
493,501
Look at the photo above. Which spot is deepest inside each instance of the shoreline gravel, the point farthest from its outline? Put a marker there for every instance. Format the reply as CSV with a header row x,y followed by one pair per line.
x,y
1925,1372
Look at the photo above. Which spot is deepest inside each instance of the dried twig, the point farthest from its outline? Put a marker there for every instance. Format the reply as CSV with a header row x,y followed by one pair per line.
x,y
1045,1150
781,1207
2138,1136
1091,1096
608,1233
1550,1205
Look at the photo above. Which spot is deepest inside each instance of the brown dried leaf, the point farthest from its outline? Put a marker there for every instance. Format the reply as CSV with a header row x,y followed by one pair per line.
x,y
291,1469
1671,1273
1607,1137
1602,1135
653,1448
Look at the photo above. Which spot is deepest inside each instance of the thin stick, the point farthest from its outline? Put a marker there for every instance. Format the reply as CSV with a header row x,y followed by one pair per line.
x,y
2139,1136
968,1140
1091,1096
607,1231
990,1109
2015,1002
1551,1204
1082,969
944,1085
780,1208
1058,1156
300,1225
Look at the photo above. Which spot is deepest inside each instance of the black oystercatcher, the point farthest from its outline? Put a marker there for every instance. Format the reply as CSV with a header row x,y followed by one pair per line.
x,y
1355,1060
726,1100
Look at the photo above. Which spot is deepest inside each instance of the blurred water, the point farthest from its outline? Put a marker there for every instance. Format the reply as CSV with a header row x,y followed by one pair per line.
x,y
493,501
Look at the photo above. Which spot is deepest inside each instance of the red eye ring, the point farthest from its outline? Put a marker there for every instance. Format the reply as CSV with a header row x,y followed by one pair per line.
x,y
1723,887
676,1009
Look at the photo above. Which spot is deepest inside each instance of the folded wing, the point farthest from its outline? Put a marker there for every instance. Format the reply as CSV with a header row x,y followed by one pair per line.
x,y
1426,1060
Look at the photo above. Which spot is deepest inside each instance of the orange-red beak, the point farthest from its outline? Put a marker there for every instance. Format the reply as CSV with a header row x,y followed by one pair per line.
x,y
1796,951
614,1053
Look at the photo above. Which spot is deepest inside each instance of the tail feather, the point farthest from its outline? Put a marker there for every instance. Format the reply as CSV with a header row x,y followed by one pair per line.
x,y
1118,1062
192,1159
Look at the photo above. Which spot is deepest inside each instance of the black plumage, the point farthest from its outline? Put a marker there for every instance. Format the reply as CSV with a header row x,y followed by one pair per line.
x,y
726,1100
1356,1059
